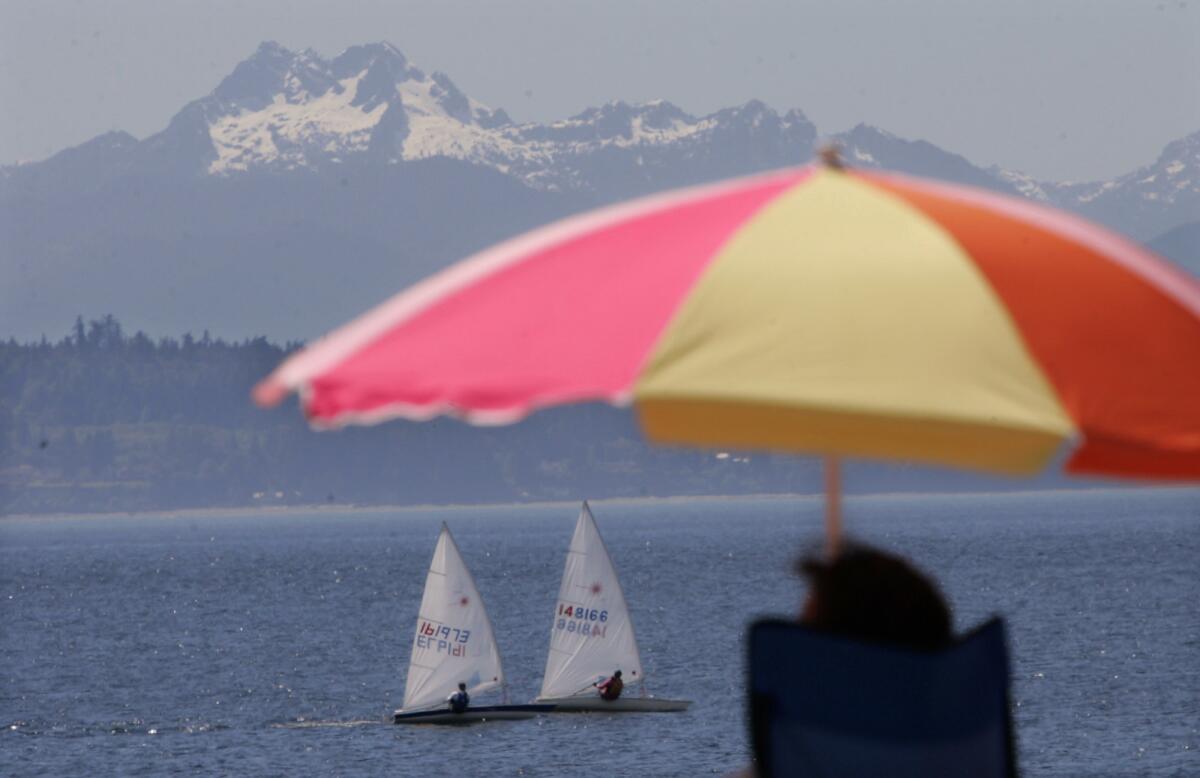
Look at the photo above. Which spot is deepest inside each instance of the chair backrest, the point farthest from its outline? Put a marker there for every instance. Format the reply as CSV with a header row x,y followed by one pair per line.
x,y
822,705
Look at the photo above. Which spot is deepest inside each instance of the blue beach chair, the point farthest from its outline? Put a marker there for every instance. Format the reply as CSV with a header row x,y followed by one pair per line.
x,y
822,705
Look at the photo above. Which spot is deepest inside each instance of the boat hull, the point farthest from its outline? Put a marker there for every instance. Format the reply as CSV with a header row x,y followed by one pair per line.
x,y
594,704
472,715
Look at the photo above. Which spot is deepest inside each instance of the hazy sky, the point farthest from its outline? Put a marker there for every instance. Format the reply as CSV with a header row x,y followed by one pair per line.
x,y
1064,89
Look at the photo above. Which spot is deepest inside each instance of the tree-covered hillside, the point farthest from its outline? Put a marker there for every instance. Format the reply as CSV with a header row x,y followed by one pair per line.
x,y
106,421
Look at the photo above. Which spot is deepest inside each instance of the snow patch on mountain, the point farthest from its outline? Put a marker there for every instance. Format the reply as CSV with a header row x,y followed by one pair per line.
x,y
287,131
1095,190
452,128
1023,183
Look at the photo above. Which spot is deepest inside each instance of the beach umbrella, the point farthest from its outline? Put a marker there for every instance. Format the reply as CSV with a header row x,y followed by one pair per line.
x,y
817,309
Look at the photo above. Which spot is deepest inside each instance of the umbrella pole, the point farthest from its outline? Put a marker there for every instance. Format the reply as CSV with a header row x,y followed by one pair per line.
x,y
833,506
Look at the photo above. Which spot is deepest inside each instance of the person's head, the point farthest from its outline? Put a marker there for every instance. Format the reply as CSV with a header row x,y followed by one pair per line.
x,y
617,674
462,687
874,596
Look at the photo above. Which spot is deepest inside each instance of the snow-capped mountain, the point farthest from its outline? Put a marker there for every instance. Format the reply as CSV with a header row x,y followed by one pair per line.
x,y
353,176
1147,202
865,146
1144,204
284,110
281,110
618,149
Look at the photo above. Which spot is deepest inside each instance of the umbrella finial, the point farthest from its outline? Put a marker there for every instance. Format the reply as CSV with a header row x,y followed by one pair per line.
x,y
831,156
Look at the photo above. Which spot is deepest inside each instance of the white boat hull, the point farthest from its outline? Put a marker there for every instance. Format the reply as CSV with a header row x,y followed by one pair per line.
x,y
472,715
594,704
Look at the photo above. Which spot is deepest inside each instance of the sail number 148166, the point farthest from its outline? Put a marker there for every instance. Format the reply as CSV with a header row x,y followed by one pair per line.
x,y
582,613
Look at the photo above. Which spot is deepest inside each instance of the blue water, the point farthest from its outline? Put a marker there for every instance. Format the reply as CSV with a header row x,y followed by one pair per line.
x,y
273,644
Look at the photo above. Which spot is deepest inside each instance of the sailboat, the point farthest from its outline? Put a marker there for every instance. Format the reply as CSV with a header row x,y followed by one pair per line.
x,y
592,634
454,644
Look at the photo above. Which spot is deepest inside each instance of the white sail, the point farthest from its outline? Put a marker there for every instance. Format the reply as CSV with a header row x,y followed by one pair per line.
x,y
592,634
454,641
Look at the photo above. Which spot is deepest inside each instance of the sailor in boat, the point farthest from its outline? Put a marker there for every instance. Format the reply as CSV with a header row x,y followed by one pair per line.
x,y
459,700
610,688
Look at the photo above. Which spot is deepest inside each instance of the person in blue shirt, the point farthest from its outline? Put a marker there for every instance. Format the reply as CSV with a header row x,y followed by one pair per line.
x,y
460,699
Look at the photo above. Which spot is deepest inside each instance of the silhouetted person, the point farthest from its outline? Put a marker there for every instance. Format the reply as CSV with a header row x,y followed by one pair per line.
x,y
460,699
610,688
876,597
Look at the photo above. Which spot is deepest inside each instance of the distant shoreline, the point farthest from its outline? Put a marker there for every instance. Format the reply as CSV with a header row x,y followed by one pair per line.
x,y
351,508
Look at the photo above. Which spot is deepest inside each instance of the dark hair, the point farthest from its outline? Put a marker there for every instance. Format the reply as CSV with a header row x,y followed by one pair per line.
x,y
870,595
462,686
617,674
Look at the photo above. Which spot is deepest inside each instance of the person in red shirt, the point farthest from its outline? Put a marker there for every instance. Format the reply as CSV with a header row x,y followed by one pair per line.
x,y
610,688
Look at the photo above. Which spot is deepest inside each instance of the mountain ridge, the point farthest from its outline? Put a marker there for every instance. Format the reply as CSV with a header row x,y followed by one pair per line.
x,y
372,170
287,110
